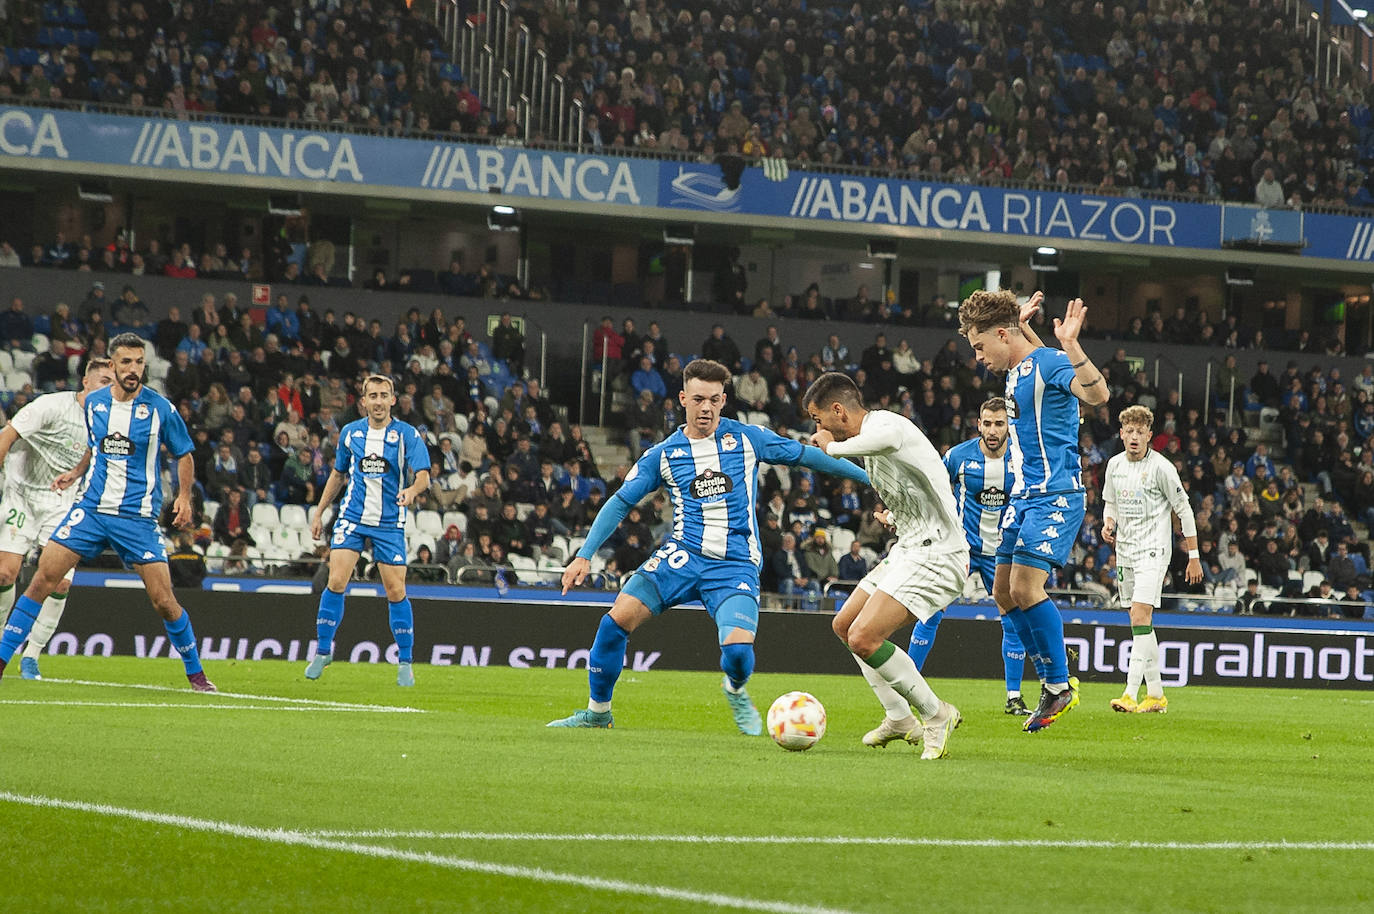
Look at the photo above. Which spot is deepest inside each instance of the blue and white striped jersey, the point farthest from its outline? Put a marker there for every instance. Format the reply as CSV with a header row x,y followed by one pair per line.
x,y
713,484
982,485
375,461
125,440
1042,415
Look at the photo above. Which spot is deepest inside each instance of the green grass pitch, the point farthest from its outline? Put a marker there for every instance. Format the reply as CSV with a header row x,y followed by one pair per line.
x,y
302,796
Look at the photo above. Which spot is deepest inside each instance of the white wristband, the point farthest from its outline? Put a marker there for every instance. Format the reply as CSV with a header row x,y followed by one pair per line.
x,y
1194,554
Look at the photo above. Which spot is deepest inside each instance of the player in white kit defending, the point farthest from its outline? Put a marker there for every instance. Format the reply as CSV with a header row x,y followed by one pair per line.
x,y
922,574
45,439
1141,490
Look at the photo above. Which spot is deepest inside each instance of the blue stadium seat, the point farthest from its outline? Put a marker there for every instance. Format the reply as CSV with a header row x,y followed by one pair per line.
x,y
52,13
74,16
63,37
452,72
42,323
27,57
87,39
1095,63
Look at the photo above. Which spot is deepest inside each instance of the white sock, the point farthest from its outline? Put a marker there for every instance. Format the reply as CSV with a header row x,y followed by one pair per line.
x,y
896,707
600,707
1135,669
1149,650
899,671
1012,694
45,625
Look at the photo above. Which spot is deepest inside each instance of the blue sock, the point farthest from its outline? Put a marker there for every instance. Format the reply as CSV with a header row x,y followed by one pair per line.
x,y
1021,625
1047,628
402,627
184,640
737,662
18,626
328,621
607,658
923,638
1013,655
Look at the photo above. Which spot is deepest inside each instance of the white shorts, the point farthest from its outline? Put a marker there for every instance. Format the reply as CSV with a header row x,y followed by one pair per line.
x,y
1141,584
923,582
29,516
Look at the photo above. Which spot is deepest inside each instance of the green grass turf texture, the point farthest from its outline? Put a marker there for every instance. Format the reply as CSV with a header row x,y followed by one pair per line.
x,y
1231,764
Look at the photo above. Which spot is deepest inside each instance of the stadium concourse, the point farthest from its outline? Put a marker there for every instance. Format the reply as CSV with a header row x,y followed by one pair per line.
x,y
1221,99
1284,498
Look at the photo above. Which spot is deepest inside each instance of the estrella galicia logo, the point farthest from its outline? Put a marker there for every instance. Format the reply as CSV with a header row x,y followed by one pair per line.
x,y
374,465
711,484
116,445
992,498
703,190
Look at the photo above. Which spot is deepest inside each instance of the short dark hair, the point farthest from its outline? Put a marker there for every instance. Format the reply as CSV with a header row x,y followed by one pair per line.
x,y
831,387
127,340
996,404
706,370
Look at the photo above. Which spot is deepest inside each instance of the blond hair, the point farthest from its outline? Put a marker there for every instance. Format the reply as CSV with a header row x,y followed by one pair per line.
x,y
1137,416
380,379
984,310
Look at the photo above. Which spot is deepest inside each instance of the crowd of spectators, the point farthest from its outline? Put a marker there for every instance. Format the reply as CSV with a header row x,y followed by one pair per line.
x,y
265,394
1214,98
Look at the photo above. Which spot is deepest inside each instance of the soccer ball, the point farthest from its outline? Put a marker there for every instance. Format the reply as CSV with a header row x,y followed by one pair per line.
x,y
796,721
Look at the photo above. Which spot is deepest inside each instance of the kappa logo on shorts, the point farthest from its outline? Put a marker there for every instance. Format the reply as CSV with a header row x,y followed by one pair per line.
x,y
147,555
1051,532
743,585
1045,548
1057,517
711,484
398,558
1060,502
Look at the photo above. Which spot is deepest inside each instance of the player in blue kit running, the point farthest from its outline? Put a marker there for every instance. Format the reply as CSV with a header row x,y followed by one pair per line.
x,y
1043,389
372,458
710,467
127,425
982,481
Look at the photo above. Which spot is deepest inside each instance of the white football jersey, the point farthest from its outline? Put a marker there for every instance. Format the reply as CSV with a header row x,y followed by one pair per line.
x,y
52,440
1140,494
909,476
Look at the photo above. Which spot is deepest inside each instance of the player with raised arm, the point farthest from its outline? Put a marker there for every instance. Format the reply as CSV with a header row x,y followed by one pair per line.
x,y
46,439
1140,495
1043,389
981,479
710,467
924,571
373,455
127,424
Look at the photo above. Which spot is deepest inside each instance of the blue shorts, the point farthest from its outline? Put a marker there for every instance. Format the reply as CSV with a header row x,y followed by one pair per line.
x,y
985,566
87,532
674,575
388,543
1040,530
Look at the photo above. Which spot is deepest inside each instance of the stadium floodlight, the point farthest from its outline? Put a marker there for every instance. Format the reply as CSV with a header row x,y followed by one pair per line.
x,y
1045,259
503,218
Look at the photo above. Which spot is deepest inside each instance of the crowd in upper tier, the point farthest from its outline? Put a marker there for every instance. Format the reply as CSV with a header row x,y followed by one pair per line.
x,y
1218,98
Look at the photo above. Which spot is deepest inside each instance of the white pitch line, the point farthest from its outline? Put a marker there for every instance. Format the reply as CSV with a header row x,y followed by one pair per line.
x,y
856,840
321,702
188,706
533,874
